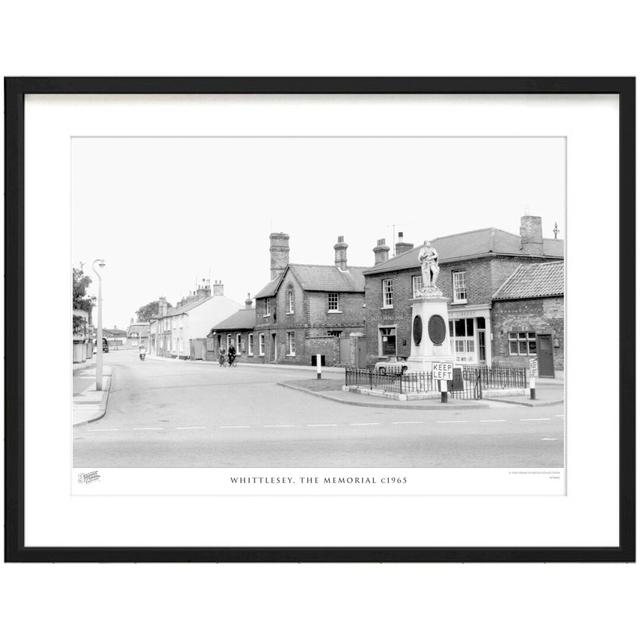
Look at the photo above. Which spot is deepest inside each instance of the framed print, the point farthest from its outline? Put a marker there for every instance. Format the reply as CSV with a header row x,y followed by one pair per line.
x,y
320,319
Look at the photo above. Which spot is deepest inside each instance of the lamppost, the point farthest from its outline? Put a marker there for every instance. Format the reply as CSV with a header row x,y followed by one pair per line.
x,y
101,263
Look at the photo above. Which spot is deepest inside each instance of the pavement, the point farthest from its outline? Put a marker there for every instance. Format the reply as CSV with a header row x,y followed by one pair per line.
x,y
89,404
163,413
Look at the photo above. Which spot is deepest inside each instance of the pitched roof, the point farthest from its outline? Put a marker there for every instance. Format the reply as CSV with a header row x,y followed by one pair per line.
x,y
320,277
185,308
141,328
542,280
466,245
114,332
270,288
242,319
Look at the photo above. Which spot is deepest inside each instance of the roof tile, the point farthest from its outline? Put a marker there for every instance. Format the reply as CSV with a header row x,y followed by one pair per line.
x,y
541,280
320,277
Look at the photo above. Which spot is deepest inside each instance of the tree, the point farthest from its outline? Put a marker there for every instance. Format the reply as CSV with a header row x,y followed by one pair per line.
x,y
149,310
81,300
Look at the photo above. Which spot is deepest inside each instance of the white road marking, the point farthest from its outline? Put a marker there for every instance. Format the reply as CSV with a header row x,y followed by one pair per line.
x,y
408,422
278,426
148,428
548,438
103,429
451,421
235,426
326,424
534,419
185,428
362,424
559,415
492,420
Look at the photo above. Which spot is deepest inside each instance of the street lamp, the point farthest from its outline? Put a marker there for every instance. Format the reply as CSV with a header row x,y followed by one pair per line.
x,y
101,263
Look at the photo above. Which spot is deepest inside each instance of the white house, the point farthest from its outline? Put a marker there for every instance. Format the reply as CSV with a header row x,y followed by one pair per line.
x,y
192,318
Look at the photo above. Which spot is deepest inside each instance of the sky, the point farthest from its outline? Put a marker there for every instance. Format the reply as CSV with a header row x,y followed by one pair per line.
x,y
166,212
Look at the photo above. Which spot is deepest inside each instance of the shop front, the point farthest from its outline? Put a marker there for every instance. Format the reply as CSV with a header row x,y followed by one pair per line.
x,y
470,332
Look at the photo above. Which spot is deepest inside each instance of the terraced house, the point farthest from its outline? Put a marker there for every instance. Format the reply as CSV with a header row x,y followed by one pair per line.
x,y
473,267
307,310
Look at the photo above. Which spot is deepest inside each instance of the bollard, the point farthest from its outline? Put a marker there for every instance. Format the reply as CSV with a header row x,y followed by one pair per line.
x,y
443,391
532,388
318,367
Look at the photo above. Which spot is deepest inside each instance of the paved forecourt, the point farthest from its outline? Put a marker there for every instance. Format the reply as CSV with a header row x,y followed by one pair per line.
x,y
165,413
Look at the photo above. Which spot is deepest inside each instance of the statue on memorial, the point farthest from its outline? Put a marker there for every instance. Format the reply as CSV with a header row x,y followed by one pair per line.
x,y
428,258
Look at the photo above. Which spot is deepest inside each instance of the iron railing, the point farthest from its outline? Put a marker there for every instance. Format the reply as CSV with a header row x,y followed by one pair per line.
x,y
497,377
474,378
394,382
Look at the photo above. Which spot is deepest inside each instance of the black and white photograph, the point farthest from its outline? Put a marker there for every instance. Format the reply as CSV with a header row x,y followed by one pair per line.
x,y
320,320
351,314
319,302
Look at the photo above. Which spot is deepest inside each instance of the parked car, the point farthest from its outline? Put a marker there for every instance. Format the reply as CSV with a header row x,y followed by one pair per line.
x,y
392,364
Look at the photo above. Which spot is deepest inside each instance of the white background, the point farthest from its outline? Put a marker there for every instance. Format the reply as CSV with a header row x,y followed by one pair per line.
x,y
331,38
587,516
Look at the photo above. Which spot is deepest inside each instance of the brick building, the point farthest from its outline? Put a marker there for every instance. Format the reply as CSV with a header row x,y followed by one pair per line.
x,y
528,318
237,330
173,331
473,266
308,309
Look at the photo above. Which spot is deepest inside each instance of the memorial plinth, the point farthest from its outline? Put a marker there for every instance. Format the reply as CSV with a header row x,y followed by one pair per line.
x,y
429,330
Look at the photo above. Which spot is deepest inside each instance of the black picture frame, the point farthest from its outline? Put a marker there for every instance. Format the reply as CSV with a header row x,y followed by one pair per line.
x,y
15,91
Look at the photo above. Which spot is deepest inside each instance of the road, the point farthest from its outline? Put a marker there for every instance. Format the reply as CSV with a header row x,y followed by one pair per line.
x,y
166,413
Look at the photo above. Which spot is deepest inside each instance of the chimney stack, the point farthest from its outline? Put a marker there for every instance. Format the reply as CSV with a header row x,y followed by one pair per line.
x,y
204,289
162,306
381,251
401,245
341,253
218,288
279,249
248,303
531,235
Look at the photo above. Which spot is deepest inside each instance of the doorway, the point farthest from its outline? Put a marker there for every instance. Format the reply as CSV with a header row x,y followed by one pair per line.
x,y
274,347
545,355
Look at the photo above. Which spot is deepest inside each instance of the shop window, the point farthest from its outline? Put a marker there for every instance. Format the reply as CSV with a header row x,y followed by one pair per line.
x,y
463,342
